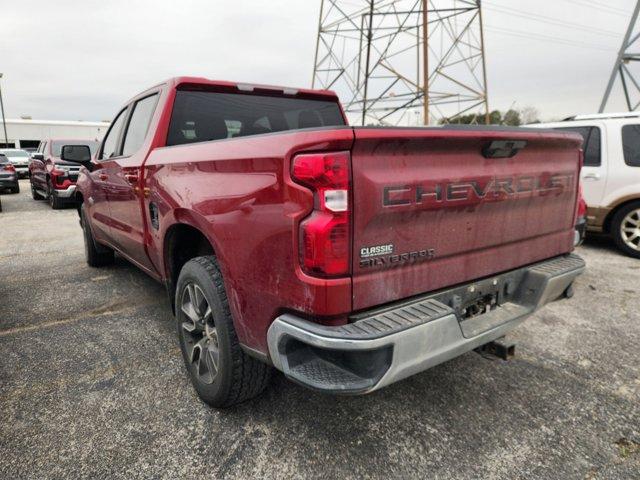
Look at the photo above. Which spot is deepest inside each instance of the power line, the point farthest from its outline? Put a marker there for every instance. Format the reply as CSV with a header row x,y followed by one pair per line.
x,y
549,20
604,5
599,7
548,38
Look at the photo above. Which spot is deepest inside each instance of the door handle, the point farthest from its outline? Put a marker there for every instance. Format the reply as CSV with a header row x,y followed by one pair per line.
x,y
131,178
103,176
591,176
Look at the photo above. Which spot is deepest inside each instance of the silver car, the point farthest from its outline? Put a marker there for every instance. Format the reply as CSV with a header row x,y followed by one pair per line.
x,y
8,175
19,158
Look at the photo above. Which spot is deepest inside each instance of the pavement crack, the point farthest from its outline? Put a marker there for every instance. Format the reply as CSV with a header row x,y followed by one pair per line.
x,y
102,311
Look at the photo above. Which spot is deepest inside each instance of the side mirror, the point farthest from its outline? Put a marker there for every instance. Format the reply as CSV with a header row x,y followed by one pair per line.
x,y
77,153
37,156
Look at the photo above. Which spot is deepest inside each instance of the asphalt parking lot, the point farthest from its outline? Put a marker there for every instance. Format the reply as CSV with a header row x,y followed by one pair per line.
x,y
93,385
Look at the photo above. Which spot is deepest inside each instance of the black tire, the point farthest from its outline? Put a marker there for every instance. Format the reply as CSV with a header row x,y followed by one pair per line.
x,y
34,194
97,255
238,377
16,189
627,214
54,201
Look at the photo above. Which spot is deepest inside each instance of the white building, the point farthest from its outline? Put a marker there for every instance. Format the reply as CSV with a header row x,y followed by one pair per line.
x,y
27,133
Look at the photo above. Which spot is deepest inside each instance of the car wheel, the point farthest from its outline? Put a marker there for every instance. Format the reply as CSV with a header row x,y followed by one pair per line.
x,y
625,229
97,255
16,189
221,372
34,193
54,201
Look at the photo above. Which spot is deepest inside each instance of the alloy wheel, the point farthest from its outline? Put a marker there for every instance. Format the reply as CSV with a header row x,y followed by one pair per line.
x,y
630,229
200,333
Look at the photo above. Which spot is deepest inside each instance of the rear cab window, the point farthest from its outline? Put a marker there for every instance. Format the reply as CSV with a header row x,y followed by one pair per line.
x,y
200,116
591,144
139,124
631,145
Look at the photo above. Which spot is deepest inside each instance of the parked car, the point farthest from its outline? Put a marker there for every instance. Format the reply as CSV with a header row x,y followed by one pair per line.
x,y
610,174
50,177
19,158
8,175
347,257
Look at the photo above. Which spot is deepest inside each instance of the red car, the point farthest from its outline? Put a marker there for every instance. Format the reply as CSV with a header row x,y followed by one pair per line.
x,y
52,178
346,257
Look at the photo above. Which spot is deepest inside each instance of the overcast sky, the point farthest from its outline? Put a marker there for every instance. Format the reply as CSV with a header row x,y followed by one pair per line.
x,y
81,60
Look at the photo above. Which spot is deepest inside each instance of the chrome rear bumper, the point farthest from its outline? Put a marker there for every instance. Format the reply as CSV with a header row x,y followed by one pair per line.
x,y
391,343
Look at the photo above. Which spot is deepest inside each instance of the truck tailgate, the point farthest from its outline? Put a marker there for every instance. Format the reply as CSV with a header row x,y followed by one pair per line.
x,y
432,210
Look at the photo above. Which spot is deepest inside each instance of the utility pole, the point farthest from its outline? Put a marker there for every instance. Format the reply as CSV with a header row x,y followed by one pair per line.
x,y
4,121
620,68
425,61
388,58
368,59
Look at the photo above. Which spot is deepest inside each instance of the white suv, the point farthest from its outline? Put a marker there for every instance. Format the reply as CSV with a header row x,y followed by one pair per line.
x,y
610,174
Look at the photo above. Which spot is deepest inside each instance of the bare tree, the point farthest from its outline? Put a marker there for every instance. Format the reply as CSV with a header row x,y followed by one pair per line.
x,y
529,115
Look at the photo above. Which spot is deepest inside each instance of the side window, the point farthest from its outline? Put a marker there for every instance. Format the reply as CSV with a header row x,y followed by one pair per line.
x,y
591,144
139,124
631,145
592,148
111,140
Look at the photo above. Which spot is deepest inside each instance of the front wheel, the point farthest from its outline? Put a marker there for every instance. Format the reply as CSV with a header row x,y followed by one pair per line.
x,y
221,372
54,201
16,189
625,229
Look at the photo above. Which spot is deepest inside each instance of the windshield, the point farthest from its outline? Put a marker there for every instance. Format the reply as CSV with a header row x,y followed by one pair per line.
x,y
58,144
15,153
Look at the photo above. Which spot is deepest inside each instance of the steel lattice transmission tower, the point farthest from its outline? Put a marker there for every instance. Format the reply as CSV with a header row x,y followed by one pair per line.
x,y
403,62
626,55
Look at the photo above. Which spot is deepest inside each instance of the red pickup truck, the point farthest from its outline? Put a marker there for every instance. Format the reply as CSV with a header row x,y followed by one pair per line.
x,y
52,178
346,257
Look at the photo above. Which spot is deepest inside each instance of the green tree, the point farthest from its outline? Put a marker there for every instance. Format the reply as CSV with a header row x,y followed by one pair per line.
x,y
496,117
511,117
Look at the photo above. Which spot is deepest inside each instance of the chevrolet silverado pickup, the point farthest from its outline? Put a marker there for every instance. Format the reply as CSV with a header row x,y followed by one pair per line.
x,y
346,257
50,177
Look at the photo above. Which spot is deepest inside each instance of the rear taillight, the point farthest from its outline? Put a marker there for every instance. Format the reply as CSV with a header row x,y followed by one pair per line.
x,y
582,206
9,168
325,235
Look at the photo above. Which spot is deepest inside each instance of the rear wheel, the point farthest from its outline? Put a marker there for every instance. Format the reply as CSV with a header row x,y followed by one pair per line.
x,y
221,372
54,201
625,229
97,255
16,189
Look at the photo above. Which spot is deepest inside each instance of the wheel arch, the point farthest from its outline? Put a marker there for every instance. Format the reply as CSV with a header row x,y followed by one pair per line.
x,y
606,225
182,241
